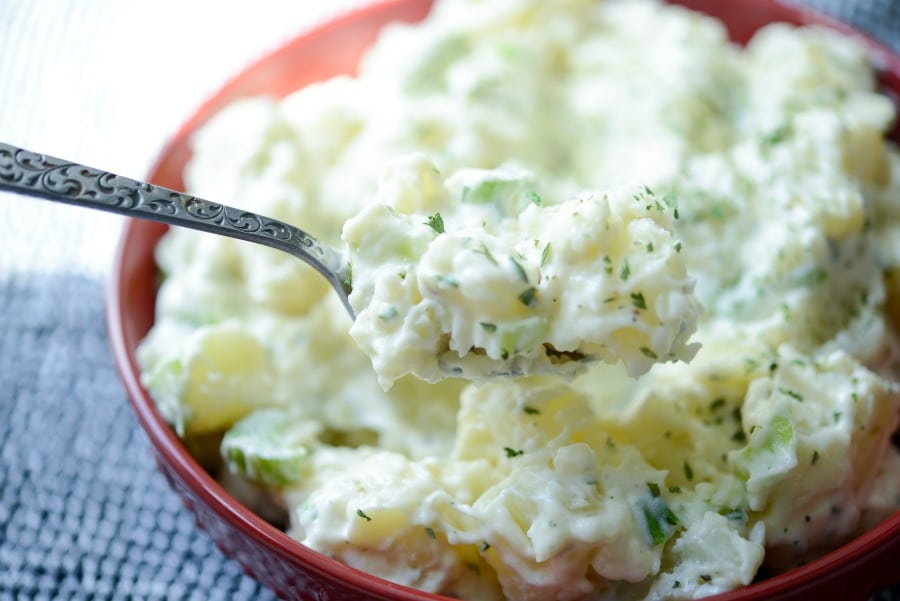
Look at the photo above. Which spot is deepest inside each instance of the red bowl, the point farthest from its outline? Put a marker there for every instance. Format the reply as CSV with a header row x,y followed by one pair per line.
x,y
854,571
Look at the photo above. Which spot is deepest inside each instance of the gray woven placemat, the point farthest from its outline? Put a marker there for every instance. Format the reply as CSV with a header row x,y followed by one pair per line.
x,y
83,512
877,18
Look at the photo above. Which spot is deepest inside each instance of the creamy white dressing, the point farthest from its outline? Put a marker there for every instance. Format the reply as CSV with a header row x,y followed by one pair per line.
x,y
492,172
486,273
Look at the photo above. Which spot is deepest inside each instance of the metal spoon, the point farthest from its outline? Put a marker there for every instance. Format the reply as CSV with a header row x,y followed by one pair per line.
x,y
26,172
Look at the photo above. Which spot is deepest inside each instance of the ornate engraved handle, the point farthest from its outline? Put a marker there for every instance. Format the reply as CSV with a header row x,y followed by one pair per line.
x,y
50,178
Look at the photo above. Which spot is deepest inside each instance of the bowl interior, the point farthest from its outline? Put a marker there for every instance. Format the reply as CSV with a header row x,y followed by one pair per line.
x,y
335,49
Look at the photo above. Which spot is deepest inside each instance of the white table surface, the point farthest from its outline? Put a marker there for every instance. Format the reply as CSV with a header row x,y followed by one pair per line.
x,y
106,83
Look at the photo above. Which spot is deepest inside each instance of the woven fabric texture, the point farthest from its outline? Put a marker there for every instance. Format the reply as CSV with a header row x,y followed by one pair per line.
x,y
84,514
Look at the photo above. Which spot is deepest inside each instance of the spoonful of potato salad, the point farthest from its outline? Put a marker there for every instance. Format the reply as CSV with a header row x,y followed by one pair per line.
x,y
485,273
479,274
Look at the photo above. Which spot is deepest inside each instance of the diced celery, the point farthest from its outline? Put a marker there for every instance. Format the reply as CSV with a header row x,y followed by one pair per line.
x,y
782,432
659,520
268,446
510,191
516,336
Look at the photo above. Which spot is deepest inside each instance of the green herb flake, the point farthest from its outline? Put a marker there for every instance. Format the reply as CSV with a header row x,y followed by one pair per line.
x,y
348,279
777,136
674,489
717,404
531,410
512,452
815,458
671,518
446,280
648,352
430,532
362,514
487,253
660,521
654,528
436,222
734,515
485,547
653,487
528,297
793,394
649,247
625,272
519,270
490,328
545,254
637,299
678,246
389,314
688,470
533,197
814,278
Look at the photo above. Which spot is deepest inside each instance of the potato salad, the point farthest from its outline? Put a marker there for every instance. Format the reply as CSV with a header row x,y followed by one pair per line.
x,y
480,275
624,295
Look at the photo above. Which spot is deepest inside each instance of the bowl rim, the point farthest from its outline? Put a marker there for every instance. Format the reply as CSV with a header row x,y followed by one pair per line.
x,y
169,448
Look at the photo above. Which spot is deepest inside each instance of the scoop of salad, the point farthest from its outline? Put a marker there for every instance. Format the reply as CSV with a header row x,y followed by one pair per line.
x,y
484,272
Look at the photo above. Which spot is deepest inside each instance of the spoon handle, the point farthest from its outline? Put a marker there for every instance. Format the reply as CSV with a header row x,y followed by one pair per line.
x,y
49,178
